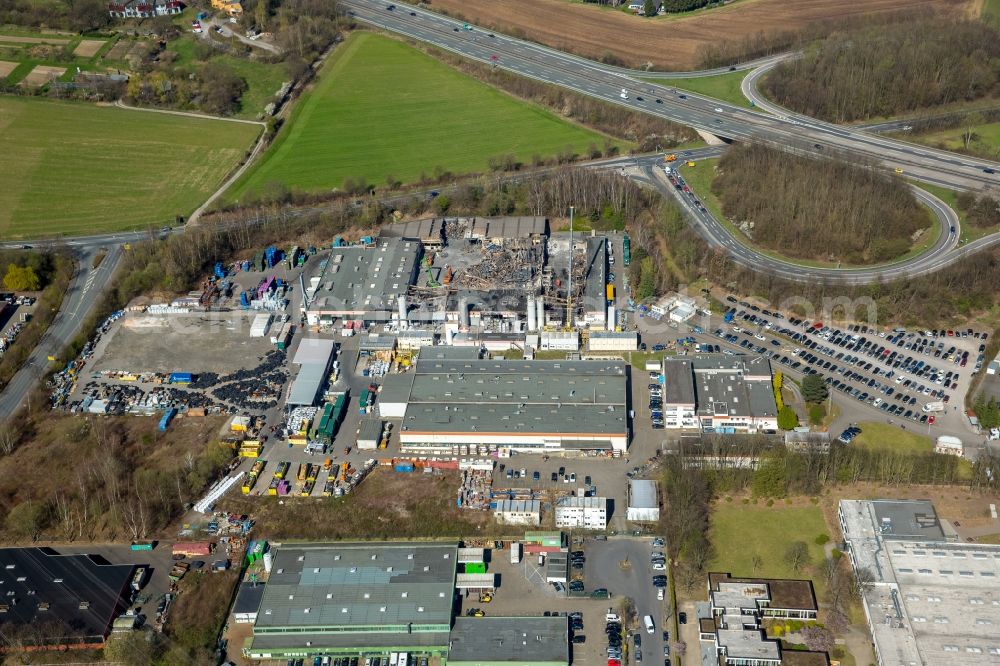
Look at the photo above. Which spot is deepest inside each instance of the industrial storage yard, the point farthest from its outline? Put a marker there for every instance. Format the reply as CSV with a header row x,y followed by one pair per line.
x,y
197,342
433,365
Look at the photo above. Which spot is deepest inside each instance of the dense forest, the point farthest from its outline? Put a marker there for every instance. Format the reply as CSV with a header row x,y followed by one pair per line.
x,y
884,70
817,208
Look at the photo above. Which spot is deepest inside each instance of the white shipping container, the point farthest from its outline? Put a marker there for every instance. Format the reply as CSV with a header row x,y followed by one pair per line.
x,y
515,553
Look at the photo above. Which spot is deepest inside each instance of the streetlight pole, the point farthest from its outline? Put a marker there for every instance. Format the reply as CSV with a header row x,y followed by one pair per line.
x,y
569,285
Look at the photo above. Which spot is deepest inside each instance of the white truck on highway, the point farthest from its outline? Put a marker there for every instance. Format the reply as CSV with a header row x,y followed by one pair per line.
x,y
933,407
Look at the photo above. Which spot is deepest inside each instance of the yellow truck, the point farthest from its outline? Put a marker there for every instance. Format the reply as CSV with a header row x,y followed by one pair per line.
x,y
670,158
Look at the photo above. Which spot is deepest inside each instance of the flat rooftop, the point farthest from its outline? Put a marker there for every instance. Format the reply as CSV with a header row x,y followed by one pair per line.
x,y
931,601
446,394
358,279
509,639
908,519
729,592
678,382
642,494
357,586
74,597
732,385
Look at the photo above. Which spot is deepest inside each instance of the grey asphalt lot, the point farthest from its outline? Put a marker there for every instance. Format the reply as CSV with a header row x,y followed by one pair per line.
x,y
621,564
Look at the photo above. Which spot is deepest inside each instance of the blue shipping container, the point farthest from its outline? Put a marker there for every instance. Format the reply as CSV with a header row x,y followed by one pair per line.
x,y
181,378
167,418
404,467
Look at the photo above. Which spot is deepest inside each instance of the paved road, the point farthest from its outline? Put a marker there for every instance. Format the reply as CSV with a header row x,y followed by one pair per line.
x,y
84,291
719,236
721,118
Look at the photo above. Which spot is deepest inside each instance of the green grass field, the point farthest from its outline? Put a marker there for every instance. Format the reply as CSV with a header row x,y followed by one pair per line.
x,y
74,168
725,87
884,436
741,531
987,143
382,108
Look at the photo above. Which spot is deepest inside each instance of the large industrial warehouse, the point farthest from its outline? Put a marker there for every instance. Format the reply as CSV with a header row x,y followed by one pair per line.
x,y
351,598
522,405
380,598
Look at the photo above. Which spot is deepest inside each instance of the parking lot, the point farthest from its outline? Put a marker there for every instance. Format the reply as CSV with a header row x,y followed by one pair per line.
x,y
898,372
873,374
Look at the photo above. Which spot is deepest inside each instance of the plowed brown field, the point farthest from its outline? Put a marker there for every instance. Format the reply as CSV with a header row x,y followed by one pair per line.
x,y
666,42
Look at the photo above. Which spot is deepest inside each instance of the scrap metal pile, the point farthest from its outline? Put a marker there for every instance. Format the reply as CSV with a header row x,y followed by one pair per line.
x,y
512,265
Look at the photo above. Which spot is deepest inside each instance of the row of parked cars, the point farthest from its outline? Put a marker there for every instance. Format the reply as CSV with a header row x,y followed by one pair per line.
x,y
656,402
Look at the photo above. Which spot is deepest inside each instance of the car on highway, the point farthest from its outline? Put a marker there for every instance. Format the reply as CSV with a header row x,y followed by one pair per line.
x,y
989,170
391,7
718,109
899,170
623,94
682,96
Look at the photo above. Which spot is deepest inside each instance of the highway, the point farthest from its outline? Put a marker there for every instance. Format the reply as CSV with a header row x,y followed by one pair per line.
x,y
649,171
781,129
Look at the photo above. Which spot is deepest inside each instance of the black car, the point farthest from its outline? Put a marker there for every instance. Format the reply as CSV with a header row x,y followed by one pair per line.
x,y
637,639
579,638
554,477
413,13
391,7
659,101
682,617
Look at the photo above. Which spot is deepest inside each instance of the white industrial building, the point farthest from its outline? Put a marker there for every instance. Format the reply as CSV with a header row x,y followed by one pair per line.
x,y
519,512
589,513
719,393
559,341
313,356
414,339
643,506
612,341
452,397
930,600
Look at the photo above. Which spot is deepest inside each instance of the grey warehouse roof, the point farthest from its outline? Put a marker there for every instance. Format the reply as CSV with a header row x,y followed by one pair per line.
x,y
642,494
314,350
358,585
446,394
908,519
360,279
734,385
509,639
678,382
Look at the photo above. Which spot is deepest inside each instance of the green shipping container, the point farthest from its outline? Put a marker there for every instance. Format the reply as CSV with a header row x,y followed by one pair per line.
x,y
475,568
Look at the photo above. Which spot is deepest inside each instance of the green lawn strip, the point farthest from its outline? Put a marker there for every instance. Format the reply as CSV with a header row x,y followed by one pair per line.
x,y
263,81
87,169
877,436
724,87
741,531
103,51
383,108
915,439
699,178
21,71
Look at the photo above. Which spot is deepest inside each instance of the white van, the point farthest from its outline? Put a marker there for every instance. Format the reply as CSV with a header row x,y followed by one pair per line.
x,y
648,621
